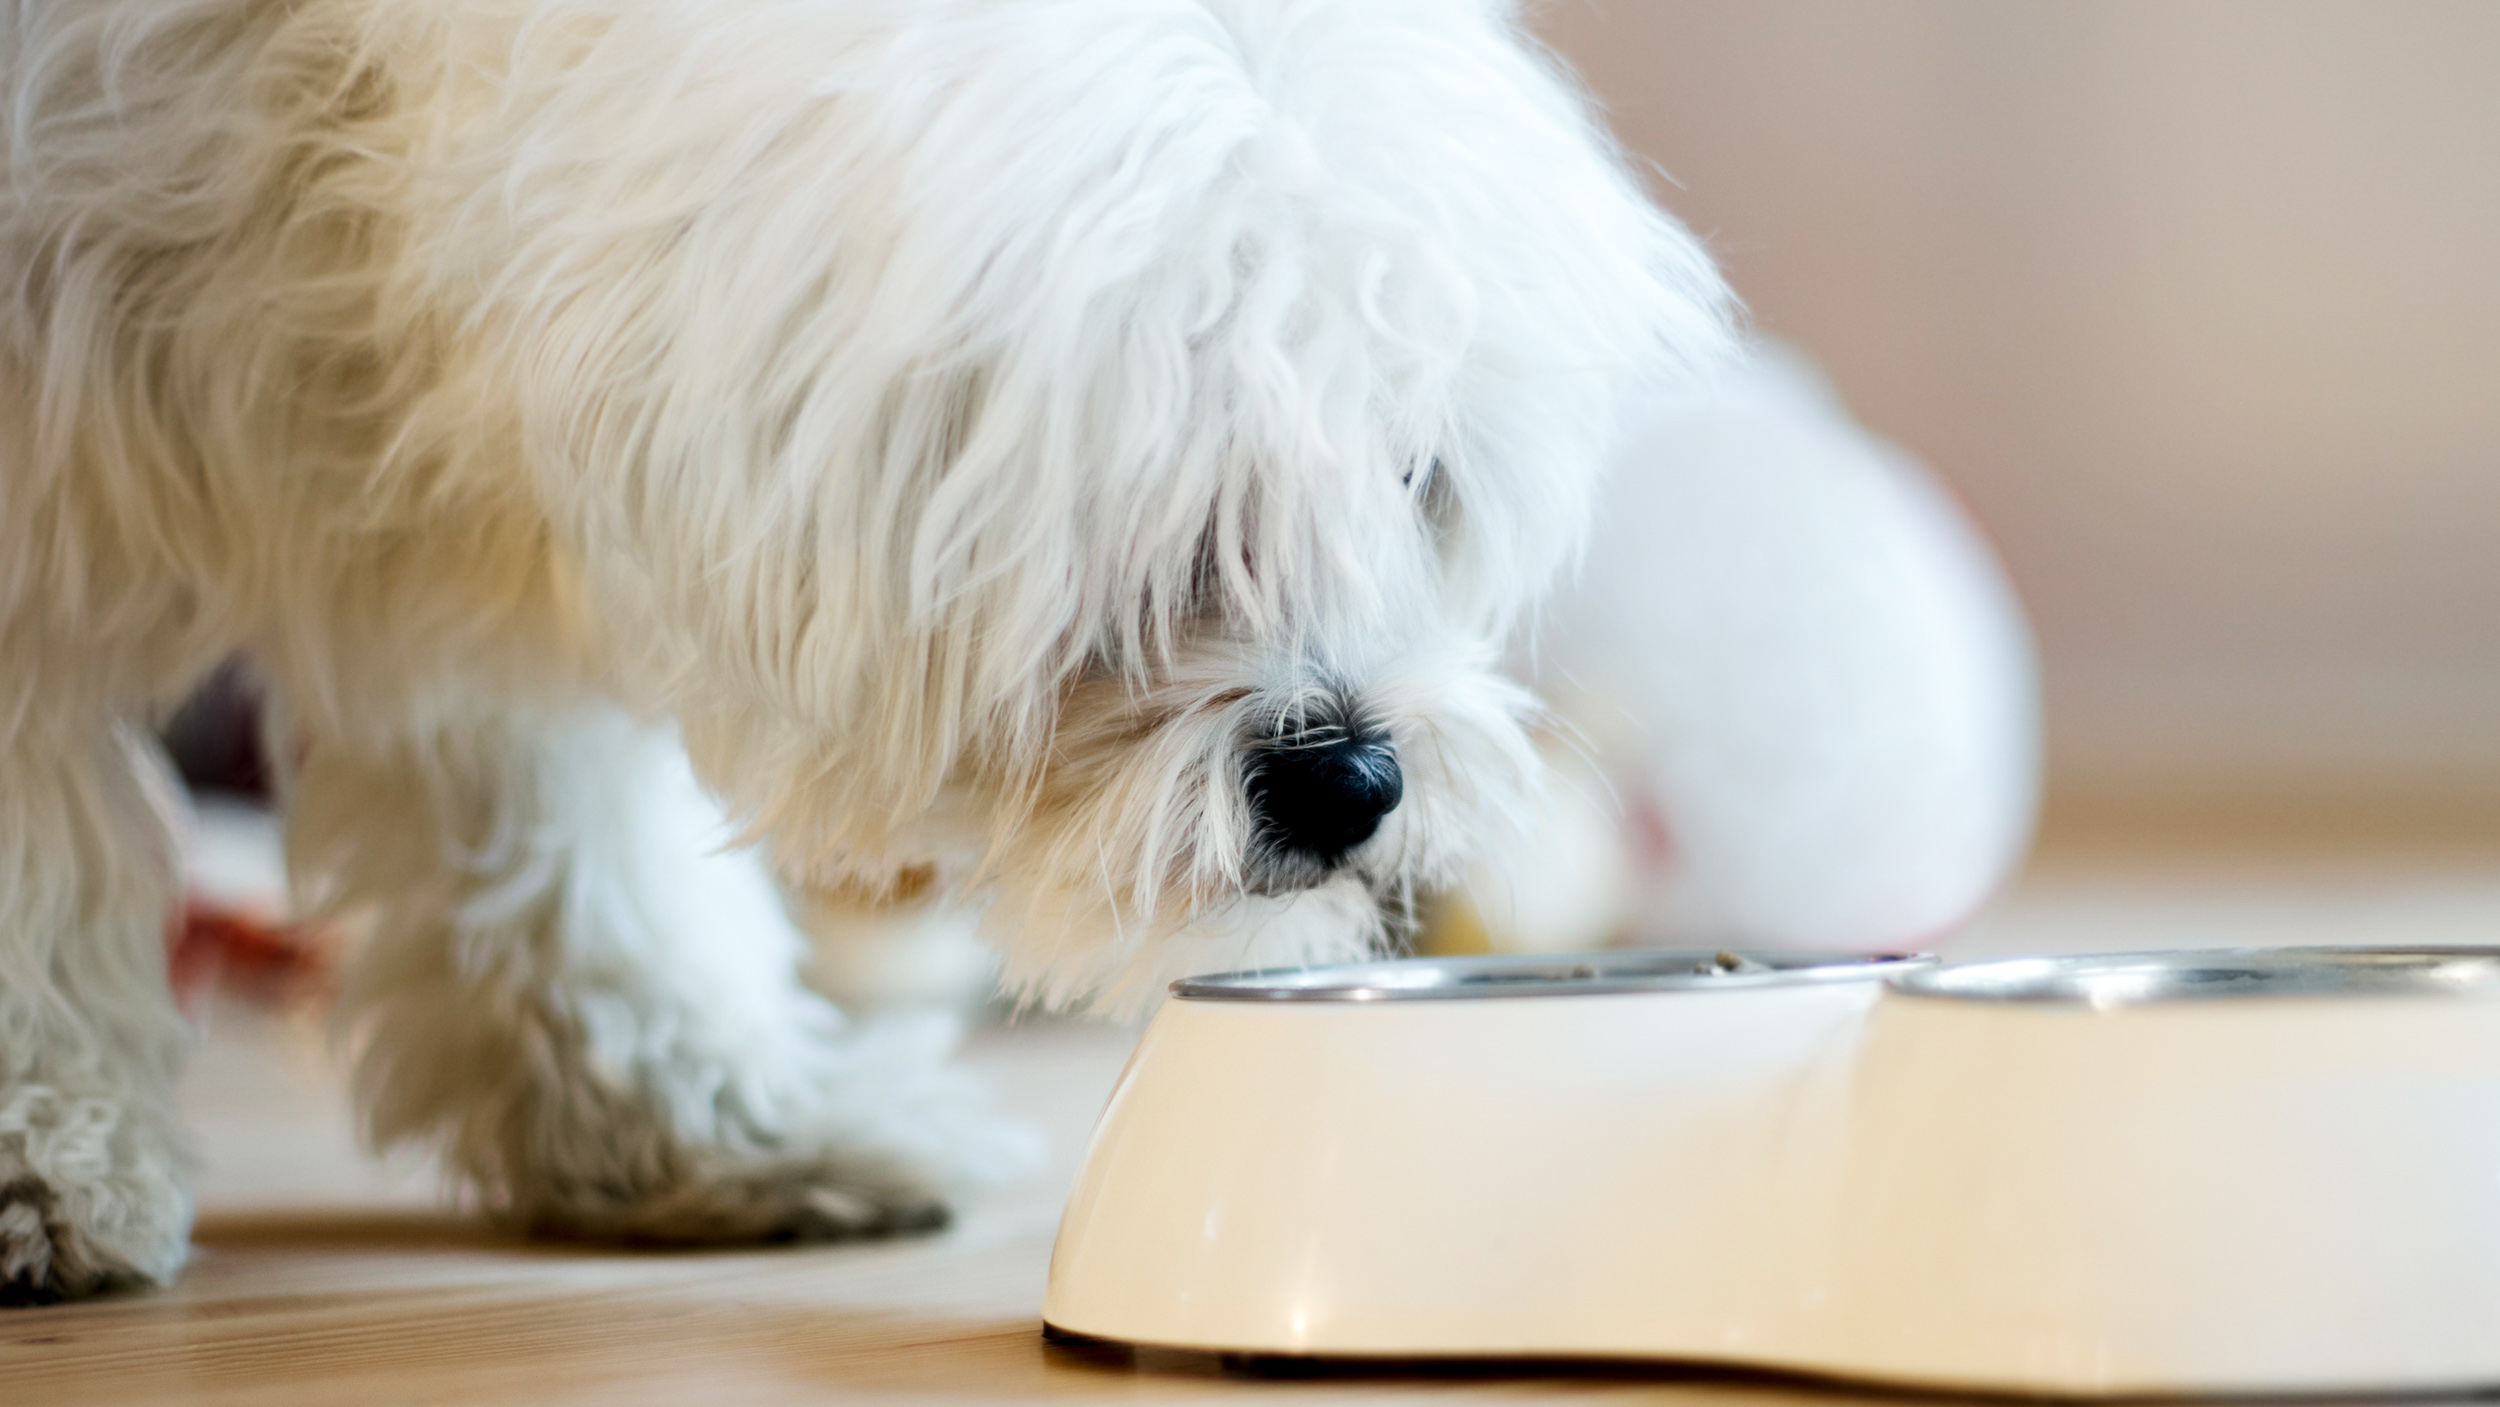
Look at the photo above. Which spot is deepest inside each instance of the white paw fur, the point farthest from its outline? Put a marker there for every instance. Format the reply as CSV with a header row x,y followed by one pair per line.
x,y
92,1195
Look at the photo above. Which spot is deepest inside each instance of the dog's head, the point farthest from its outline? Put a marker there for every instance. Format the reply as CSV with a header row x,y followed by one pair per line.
x,y
1097,448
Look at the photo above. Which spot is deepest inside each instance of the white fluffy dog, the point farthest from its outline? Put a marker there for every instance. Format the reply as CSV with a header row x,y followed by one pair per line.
x,y
1081,456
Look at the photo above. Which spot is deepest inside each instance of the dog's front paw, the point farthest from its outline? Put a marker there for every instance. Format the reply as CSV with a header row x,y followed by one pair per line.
x,y
43,1259
841,1191
865,1136
87,1202
797,1200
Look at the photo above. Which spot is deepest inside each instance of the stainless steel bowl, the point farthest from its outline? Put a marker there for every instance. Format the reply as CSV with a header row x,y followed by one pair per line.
x,y
2109,981
1544,975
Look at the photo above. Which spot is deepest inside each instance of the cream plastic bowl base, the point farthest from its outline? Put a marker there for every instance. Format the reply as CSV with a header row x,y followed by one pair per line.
x,y
2252,1171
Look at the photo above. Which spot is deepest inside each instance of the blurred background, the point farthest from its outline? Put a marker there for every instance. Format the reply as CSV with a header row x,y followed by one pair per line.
x,y
2196,306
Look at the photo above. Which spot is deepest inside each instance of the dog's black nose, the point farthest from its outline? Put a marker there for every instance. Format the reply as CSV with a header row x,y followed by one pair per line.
x,y
1323,791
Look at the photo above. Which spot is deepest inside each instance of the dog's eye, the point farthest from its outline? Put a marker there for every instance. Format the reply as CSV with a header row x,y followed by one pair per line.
x,y
1430,469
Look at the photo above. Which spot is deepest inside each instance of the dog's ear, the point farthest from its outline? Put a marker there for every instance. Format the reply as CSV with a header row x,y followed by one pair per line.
x,y
888,380
743,312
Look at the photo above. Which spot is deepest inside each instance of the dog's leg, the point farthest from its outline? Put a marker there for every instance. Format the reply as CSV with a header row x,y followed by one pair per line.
x,y
592,1004
94,1179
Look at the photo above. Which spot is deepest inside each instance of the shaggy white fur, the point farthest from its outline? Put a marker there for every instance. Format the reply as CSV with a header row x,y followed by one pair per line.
x,y
974,427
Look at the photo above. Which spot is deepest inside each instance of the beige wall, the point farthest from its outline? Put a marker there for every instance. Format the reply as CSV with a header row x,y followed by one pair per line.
x,y
2196,302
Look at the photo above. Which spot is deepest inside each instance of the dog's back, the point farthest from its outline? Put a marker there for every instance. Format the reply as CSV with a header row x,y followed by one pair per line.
x,y
210,436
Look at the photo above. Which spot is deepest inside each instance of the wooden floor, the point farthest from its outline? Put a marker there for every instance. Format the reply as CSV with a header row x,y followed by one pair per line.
x,y
322,1277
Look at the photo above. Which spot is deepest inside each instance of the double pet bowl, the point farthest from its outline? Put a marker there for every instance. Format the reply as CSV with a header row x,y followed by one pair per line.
x,y
2184,1172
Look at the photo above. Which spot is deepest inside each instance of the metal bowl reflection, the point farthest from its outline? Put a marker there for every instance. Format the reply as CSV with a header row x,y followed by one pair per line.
x,y
1543,975
2105,981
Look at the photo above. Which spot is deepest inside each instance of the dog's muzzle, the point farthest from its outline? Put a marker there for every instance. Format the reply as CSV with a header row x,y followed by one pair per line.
x,y
1319,792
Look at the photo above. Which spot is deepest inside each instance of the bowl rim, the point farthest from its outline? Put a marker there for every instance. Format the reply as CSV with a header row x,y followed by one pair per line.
x,y
1529,975
2178,976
